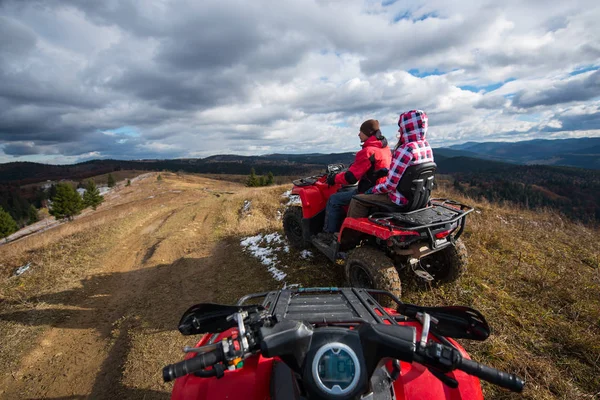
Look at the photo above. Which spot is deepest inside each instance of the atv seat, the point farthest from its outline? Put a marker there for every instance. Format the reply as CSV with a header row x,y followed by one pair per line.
x,y
416,185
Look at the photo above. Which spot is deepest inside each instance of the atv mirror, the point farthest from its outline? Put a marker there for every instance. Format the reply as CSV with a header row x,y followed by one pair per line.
x,y
210,318
452,321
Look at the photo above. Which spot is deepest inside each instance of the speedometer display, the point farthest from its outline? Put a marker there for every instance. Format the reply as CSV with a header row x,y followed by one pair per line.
x,y
336,369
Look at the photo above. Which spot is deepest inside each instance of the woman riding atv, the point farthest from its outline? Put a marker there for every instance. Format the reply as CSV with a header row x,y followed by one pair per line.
x,y
369,163
412,148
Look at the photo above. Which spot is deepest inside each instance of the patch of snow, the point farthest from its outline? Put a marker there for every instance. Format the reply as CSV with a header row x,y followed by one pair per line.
x,y
81,191
292,285
22,269
294,199
246,207
103,190
264,247
150,197
306,254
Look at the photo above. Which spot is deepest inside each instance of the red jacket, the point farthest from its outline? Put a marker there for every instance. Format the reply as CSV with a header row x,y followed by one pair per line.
x,y
374,156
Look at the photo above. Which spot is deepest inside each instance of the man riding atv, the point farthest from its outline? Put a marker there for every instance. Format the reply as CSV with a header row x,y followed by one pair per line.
x,y
368,169
401,228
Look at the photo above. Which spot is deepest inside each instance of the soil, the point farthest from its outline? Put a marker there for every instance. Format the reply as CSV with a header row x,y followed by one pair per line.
x,y
107,332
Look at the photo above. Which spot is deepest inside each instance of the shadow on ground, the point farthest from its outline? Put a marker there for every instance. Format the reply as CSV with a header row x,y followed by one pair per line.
x,y
121,307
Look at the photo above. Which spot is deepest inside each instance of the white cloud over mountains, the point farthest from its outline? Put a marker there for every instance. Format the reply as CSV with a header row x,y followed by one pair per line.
x,y
174,78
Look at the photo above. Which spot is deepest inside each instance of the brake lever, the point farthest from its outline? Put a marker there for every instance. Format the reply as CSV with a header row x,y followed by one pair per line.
x,y
446,380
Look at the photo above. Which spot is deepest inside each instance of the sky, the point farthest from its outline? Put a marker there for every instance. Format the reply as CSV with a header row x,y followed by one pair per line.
x,y
137,79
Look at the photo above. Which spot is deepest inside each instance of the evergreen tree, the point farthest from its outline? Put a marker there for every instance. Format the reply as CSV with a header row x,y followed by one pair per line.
x,y
261,181
92,197
33,215
111,181
7,224
128,182
159,177
270,178
67,202
252,179
51,191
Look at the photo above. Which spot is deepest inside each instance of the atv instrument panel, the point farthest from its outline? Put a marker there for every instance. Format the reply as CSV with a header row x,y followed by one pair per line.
x,y
335,369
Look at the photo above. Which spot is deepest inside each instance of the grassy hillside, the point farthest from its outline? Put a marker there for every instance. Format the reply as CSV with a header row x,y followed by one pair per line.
x,y
112,284
534,275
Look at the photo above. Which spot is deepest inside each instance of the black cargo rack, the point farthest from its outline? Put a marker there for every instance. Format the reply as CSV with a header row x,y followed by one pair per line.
x,y
347,306
441,212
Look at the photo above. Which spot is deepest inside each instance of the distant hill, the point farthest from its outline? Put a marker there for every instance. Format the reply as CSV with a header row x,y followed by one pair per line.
x,y
581,152
476,167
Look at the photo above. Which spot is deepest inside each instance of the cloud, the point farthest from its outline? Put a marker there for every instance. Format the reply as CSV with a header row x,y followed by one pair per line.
x,y
579,88
200,78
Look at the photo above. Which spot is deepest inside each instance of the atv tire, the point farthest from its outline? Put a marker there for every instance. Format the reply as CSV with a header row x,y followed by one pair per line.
x,y
368,267
292,227
449,264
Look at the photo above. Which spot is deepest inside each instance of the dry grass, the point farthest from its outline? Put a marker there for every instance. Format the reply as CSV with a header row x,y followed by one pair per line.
x,y
534,275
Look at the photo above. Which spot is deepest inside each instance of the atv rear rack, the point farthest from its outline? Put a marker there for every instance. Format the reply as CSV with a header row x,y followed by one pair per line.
x,y
441,212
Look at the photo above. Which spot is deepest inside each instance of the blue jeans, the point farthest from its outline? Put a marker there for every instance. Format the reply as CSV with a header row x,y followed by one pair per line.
x,y
334,214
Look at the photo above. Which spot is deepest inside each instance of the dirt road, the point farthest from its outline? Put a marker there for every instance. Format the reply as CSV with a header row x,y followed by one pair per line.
x,y
99,320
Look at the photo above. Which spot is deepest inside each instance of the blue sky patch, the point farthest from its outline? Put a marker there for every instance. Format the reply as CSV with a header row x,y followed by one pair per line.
x,y
486,88
407,15
529,117
422,74
584,69
130,131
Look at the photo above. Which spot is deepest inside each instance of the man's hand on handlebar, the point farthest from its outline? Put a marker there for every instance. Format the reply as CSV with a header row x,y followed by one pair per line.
x,y
331,178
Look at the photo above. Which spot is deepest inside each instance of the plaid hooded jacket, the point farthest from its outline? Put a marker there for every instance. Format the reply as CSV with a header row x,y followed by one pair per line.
x,y
412,149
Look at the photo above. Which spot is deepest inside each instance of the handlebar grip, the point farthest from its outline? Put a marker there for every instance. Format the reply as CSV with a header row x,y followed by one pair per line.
x,y
492,375
201,361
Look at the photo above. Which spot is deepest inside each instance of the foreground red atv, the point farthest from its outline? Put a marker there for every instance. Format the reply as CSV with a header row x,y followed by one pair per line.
x,y
423,236
331,343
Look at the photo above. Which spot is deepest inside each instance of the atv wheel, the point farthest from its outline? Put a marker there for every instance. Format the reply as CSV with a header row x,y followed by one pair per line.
x,y
292,226
368,267
447,265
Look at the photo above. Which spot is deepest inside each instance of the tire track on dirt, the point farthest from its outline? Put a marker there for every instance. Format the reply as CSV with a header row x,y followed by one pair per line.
x,y
87,352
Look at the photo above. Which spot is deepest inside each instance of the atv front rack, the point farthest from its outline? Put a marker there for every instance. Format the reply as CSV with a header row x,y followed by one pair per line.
x,y
332,305
354,306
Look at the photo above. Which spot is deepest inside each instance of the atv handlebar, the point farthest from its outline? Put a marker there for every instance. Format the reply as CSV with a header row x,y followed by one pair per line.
x,y
445,359
195,364
492,375
371,341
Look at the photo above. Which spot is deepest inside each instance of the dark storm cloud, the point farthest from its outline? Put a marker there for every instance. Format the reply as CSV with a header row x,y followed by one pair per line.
x,y
22,149
583,122
188,75
560,92
17,39
176,91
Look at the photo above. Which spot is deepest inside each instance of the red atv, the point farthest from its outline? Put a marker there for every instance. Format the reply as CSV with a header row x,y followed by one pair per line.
x,y
422,236
331,343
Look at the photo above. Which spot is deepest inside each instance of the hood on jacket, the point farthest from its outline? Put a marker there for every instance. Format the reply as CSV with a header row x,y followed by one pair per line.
x,y
413,126
377,140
